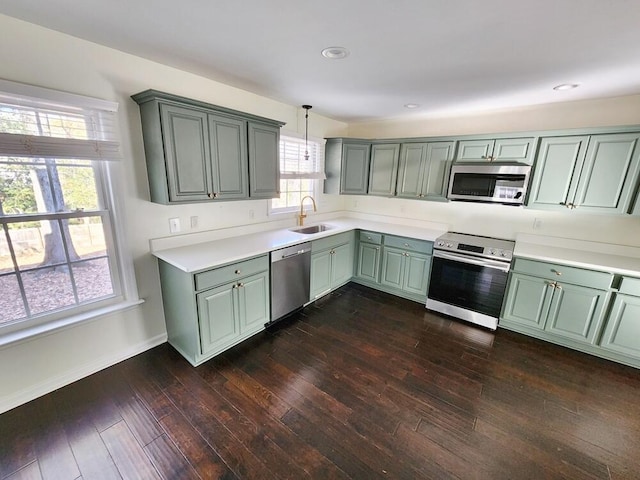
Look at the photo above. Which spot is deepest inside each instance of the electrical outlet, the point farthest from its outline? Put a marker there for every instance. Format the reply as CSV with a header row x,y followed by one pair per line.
x,y
537,223
174,225
194,221
251,214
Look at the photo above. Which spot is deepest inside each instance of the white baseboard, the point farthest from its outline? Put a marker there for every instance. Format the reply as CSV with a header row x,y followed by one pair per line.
x,y
26,395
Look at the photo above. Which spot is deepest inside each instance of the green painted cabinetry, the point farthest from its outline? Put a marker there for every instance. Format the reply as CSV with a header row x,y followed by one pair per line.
x,y
556,301
383,169
497,150
396,265
597,173
424,170
209,312
622,332
347,166
197,152
331,263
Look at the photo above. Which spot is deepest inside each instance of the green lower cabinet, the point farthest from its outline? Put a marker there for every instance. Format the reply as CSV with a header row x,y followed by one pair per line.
x,y
573,312
368,266
576,312
406,271
622,331
232,311
527,301
210,311
332,267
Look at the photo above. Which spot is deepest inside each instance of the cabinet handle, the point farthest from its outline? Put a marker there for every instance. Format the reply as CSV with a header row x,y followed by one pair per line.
x,y
407,245
212,195
559,287
369,238
377,248
556,271
240,285
237,272
552,284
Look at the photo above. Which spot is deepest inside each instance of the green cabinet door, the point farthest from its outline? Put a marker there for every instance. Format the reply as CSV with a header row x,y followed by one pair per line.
x,y
576,312
187,154
320,274
384,169
354,174
475,150
527,301
392,274
253,302
423,170
341,264
609,175
264,163
228,143
558,159
499,150
411,170
368,265
416,273
622,331
218,317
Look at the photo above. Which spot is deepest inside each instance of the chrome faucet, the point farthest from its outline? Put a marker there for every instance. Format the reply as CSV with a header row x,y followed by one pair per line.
x,y
302,215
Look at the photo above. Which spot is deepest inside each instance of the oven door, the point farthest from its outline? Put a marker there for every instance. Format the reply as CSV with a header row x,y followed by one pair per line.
x,y
468,284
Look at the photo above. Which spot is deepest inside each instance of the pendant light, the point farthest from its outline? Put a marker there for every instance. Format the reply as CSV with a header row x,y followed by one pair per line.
x,y
306,131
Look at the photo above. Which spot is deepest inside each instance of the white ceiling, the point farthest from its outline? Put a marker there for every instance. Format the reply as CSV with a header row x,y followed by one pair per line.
x,y
449,56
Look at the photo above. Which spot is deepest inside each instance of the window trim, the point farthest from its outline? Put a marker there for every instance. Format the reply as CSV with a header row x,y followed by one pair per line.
x,y
109,181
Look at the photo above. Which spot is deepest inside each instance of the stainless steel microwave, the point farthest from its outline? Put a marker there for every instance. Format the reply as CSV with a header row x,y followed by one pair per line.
x,y
496,183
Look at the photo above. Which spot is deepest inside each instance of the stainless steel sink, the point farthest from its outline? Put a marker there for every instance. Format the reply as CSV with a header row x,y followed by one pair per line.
x,y
321,227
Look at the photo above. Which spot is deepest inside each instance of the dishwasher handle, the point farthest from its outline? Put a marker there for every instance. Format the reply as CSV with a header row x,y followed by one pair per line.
x,y
293,251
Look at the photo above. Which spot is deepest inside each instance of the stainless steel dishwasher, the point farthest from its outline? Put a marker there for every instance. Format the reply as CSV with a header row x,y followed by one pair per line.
x,y
290,283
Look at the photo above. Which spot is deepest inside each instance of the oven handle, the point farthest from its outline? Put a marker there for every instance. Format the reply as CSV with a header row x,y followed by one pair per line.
x,y
474,261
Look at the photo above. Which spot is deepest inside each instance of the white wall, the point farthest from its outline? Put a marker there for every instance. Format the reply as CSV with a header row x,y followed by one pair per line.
x,y
498,220
42,57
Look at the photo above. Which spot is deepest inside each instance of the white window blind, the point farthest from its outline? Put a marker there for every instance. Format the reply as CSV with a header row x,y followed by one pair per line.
x,y
292,158
67,126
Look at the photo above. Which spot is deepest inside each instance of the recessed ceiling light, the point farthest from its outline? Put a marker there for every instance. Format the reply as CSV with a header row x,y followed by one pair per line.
x,y
335,53
411,105
566,86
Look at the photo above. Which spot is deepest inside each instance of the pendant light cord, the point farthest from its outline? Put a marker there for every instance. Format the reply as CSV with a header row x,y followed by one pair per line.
x,y
306,131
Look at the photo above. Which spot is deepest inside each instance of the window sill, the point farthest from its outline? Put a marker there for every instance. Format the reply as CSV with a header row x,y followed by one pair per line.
x,y
54,326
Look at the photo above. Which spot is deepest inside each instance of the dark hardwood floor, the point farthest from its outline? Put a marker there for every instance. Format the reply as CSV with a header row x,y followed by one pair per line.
x,y
359,385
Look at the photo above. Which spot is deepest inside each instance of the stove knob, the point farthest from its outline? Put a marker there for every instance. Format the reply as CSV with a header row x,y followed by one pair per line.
x,y
492,251
449,245
440,243
503,253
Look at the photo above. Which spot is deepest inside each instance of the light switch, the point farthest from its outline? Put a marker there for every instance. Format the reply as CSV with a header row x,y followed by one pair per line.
x,y
174,225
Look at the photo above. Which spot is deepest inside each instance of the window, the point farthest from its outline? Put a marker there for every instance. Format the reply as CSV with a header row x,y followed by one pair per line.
x,y
298,176
58,254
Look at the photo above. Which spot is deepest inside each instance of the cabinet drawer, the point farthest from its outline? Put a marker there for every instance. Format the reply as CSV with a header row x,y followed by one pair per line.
x,y
564,274
404,243
630,286
370,237
332,241
217,276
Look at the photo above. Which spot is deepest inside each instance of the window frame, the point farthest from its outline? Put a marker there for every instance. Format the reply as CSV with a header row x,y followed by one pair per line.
x,y
320,142
108,179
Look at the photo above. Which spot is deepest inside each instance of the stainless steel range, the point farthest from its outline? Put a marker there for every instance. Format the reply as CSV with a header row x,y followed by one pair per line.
x,y
469,277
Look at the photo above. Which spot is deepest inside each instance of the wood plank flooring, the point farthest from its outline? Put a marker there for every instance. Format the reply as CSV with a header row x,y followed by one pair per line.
x,y
360,385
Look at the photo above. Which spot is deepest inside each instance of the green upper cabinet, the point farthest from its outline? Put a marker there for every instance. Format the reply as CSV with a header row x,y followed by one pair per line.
x,y
228,143
596,174
198,152
384,169
264,168
424,170
188,165
347,166
497,150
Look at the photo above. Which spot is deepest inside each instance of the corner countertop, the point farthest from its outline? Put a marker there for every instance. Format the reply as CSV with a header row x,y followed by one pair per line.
x,y
203,256
617,259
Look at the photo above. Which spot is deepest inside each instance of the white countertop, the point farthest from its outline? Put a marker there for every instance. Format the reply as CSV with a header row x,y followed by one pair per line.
x,y
206,255
617,259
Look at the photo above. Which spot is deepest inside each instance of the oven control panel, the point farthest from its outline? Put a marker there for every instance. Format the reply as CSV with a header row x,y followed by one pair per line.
x,y
477,246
